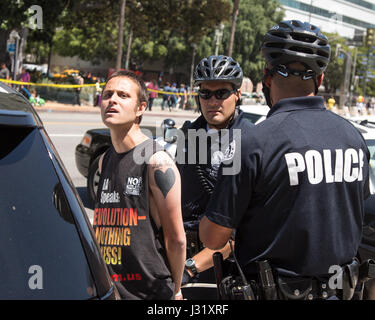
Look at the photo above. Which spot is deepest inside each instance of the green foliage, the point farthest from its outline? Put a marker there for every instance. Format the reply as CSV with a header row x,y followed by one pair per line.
x,y
162,29
335,72
255,18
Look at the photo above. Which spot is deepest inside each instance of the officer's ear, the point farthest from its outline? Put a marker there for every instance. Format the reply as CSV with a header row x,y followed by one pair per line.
x,y
238,97
267,79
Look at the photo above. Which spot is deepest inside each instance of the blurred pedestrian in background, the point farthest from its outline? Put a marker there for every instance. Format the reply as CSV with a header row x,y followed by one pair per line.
x,y
173,99
152,94
166,96
183,96
4,72
78,80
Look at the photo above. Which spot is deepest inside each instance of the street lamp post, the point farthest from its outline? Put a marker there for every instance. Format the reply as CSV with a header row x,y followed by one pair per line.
x,y
353,77
14,37
194,45
348,66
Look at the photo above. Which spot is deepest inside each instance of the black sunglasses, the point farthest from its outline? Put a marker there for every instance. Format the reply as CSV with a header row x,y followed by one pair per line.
x,y
220,94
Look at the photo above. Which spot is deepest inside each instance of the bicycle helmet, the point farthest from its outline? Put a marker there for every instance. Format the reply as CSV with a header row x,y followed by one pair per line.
x,y
296,41
218,68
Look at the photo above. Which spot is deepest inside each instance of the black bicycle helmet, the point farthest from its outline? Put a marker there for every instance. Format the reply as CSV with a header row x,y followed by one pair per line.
x,y
218,68
296,41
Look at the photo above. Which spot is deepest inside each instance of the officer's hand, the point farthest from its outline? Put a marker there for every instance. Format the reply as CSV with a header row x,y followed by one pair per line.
x,y
186,278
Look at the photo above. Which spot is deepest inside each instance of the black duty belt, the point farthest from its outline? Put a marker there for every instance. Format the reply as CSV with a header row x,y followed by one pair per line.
x,y
303,289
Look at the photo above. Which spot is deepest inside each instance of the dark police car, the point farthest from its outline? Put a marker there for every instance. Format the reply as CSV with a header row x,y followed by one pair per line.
x,y
48,248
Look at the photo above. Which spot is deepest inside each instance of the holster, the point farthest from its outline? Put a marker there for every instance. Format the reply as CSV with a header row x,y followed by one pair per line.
x,y
350,277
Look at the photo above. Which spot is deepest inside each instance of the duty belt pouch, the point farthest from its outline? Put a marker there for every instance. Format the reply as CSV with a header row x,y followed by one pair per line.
x,y
293,289
193,243
350,276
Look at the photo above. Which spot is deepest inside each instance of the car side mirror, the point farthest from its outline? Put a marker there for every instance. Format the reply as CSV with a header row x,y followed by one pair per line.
x,y
170,135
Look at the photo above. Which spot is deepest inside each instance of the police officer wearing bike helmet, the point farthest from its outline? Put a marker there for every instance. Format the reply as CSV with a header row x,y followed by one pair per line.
x,y
219,79
297,203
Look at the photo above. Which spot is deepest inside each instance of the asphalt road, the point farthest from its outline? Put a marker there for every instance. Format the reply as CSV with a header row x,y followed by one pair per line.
x,y
67,128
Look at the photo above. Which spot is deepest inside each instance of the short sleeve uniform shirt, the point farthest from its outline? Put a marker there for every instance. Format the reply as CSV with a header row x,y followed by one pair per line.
x,y
298,199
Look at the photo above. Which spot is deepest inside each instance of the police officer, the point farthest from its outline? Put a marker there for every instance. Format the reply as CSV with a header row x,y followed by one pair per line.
x,y
297,202
219,79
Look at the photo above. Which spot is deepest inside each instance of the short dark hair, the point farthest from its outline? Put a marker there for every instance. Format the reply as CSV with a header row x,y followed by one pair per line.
x,y
142,89
142,92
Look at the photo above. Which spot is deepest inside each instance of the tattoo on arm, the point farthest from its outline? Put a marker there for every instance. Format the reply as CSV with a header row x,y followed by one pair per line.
x,y
165,181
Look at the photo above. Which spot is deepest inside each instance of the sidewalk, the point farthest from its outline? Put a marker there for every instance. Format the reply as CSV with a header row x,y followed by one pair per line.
x,y
51,106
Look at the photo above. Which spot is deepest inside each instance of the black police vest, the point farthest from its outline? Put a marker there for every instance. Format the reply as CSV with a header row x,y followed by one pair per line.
x,y
126,233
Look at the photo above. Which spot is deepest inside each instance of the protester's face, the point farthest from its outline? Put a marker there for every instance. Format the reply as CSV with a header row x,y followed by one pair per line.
x,y
120,104
218,112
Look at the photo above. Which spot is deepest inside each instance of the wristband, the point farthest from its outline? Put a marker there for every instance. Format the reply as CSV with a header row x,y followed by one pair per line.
x,y
179,293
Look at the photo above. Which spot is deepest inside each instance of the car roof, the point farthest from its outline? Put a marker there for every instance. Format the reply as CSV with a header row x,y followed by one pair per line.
x,y
367,128
257,109
15,109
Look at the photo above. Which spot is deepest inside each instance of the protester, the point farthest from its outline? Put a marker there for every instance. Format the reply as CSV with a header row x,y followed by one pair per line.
x,y
138,200
152,94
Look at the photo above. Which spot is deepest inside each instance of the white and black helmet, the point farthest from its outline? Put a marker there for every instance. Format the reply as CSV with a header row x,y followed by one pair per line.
x,y
218,68
296,41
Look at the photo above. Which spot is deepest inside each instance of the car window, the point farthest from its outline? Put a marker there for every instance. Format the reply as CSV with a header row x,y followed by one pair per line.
x,y
41,256
252,117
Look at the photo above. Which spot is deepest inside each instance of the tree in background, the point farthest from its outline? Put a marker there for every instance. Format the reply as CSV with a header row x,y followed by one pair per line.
x,y
255,18
334,75
236,4
154,30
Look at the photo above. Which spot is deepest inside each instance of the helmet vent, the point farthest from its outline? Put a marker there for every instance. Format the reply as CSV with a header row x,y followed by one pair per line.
x,y
303,37
275,45
301,49
228,71
284,25
295,23
280,35
323,54
222,63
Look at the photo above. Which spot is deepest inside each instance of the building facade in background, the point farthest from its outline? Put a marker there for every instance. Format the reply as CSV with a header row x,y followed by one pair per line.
x,y
349,18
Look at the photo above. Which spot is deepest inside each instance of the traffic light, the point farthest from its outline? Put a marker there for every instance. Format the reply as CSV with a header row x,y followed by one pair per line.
x,y
370,37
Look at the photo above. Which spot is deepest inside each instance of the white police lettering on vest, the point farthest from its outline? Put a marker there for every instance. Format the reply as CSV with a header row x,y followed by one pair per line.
x,y
347,166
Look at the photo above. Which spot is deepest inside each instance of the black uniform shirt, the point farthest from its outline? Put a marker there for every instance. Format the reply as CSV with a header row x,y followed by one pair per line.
x,y
298,200
199,178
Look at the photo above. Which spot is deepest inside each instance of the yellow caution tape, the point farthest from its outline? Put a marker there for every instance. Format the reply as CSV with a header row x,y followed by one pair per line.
x,y
67,86
50,84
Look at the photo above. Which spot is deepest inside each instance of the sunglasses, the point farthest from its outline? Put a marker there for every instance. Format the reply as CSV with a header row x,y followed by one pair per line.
x,y
220,94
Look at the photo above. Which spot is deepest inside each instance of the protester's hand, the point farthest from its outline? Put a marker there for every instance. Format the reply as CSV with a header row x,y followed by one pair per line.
x,y
178,296
185,278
